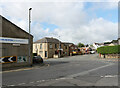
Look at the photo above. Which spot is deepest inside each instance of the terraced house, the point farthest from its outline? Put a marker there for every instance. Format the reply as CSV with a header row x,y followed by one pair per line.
x,y
50,48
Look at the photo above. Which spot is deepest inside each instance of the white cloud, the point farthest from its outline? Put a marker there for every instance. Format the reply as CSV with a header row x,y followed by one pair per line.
x,y
72,19
97,30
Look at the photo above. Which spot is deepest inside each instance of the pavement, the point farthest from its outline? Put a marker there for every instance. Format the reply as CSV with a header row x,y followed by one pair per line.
x,y
80,70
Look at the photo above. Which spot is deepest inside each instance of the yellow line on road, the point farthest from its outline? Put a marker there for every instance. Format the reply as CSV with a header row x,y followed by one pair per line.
x,y
17,70
22,69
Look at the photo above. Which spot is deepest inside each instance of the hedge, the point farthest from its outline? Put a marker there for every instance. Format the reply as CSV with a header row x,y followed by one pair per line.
x,y
109,49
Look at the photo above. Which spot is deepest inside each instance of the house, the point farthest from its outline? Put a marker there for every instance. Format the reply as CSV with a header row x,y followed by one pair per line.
x,y
114,42
50,47
14,44
97,45
72,48
65,49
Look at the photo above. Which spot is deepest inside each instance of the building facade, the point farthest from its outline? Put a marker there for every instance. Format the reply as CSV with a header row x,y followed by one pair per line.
x,y
73,48
14,45
50,47
118,41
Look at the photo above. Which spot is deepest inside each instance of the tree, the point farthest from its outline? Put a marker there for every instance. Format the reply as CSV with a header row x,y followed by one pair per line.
x,y
81,45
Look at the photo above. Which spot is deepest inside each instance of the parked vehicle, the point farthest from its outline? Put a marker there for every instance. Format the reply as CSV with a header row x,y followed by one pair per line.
x,y
87,52
80,52
37,59
74,52
92,52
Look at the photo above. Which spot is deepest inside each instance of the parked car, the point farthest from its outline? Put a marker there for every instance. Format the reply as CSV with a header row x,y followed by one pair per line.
x,y
92,52
37,59
74,52
87,52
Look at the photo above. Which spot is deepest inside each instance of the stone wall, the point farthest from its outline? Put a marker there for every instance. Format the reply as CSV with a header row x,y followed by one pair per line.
x,y
109,55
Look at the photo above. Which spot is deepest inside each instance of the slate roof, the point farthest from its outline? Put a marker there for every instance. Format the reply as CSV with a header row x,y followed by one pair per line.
x,y
48,40
67,43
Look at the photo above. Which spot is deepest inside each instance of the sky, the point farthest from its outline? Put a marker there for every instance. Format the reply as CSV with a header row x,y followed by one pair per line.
x,y
69,21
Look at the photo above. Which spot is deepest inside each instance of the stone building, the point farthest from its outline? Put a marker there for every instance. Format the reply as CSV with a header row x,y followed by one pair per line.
x,y
14,44
50,47
72,48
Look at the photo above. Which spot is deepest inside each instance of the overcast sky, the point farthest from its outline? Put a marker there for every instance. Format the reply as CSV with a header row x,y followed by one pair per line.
x,y
73,21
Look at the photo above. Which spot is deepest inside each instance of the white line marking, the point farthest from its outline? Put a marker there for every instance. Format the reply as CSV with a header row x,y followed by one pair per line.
x,y
86,72
21,84
110,76
42,80
11,85
37,81
31,82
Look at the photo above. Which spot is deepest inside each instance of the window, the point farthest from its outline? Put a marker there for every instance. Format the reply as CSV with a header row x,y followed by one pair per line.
x,y
55,45
66,47
45,53
50,45
35,46
40,46
60,46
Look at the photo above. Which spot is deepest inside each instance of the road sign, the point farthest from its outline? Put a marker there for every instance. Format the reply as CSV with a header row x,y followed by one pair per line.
x,y
8,59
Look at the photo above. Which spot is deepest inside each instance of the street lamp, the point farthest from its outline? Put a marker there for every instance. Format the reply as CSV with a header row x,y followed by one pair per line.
x,y
59,47
29,33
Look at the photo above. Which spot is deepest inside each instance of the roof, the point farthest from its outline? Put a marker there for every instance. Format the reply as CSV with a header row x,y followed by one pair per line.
x,y
99,43
114,41
15,25
67,43
48,40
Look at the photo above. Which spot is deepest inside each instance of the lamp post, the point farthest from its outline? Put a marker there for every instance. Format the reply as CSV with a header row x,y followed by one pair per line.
x,y
59,48
29,33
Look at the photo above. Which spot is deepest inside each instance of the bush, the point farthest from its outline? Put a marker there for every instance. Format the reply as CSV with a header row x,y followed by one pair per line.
x,y
109,49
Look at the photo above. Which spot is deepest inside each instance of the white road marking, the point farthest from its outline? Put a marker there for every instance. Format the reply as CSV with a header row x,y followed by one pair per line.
x,y
11,85
42,80
21,83
78,74
86,72
102,76
109,76
37,81
31,82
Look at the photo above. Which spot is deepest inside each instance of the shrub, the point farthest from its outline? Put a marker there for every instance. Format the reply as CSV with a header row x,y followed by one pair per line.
x,y
109,49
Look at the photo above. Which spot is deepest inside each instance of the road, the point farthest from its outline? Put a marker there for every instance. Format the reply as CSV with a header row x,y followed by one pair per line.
x,y
80,70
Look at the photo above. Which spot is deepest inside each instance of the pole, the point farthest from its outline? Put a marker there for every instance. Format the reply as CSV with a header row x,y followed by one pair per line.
x,y
59,47
29,34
